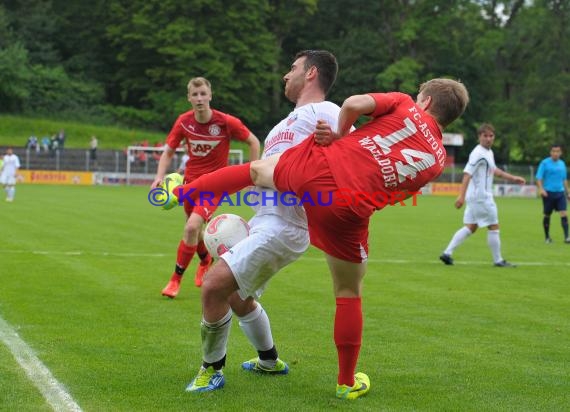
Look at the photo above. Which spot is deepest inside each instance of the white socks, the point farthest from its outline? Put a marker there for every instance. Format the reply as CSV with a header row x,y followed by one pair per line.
x,y
494,242
457,239
215,338
10,192
256,327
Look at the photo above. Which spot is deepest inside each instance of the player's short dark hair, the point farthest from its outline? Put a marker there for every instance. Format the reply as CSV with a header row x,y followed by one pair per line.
x,y
326,65
553,145
486,127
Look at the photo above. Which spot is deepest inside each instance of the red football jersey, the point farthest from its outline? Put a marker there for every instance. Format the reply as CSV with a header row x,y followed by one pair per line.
x,y
400,149
208,144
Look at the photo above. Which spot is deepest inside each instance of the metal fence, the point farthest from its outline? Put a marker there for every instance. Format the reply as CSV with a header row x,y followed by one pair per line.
x,y
108,161
72,159
115,161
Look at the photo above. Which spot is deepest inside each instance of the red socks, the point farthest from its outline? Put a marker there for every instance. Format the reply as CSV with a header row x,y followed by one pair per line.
x,y
347,337
184,256
226,180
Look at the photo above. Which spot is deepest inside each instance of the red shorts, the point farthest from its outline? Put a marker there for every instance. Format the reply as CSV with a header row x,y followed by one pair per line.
x,y
205,207
334,228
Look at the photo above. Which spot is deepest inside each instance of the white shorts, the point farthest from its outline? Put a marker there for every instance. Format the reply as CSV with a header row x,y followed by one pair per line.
x,y
271,245
6,179
482,213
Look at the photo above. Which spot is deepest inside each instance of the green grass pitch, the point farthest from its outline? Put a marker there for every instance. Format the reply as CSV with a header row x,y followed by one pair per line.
x,y
81,270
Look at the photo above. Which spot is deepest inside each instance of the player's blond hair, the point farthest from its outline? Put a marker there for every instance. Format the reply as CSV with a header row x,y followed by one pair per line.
x,y
199,81
449,99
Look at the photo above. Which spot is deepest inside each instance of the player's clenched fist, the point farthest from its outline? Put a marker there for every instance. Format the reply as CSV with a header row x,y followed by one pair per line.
x,y
324,135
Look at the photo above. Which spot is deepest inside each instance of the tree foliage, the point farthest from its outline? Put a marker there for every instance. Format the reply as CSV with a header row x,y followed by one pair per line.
x,y
130,60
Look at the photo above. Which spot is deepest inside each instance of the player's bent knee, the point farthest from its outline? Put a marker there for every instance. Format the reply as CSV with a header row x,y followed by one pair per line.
x,y
219,281
241,307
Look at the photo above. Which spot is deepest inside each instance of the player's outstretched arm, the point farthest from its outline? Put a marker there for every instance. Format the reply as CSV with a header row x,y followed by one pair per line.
x,y
163,165
516,179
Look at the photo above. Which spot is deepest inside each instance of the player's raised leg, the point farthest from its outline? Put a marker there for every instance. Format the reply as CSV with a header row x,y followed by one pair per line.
x,y
348,323
229,180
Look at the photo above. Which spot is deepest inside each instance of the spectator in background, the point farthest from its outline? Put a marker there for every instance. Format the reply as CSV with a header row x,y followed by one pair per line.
x,y
54,145
156,155
33,144
61,139
46,143
93,150
552,182
141,157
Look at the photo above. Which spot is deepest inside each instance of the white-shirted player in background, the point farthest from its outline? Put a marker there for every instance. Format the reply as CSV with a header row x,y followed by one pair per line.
x,y
278,235
477,190
8,174
182,165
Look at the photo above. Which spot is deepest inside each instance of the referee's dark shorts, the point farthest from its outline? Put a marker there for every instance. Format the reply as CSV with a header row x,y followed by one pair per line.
x,y
554,201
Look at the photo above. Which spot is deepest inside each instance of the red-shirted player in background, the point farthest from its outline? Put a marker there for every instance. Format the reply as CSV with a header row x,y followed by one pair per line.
x,y
206,133
399,150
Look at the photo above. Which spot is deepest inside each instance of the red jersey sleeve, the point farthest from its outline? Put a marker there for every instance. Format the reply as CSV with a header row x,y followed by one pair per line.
x,y
386,102
236,129
176,135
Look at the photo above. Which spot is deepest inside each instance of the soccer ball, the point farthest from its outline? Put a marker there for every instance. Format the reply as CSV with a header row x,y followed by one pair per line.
x,y
223,232
167,199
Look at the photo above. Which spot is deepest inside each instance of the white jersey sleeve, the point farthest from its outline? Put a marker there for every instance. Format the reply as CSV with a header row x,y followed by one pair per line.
x,y
11,164
289,132
481,167
183,162
298,125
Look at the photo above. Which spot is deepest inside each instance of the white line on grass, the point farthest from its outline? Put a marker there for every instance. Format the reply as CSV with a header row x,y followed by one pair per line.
x,y
435,261
53,391
438,262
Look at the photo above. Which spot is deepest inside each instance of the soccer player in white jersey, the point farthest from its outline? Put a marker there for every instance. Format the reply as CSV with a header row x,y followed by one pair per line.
x,y
477,190
278,235
8,174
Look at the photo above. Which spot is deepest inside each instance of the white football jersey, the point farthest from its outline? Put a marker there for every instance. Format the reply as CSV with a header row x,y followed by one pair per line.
x,y
289,132
11,164
481,166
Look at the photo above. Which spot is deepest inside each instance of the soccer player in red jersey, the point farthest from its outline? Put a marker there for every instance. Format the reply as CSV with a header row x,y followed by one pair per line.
x,y
206,133
399,150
